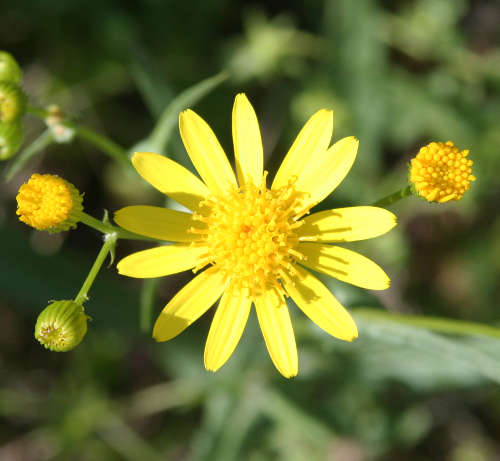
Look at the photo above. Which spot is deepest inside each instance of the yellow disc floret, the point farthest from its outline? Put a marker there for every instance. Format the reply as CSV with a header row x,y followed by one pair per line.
x,y
440,172
251,236
48,202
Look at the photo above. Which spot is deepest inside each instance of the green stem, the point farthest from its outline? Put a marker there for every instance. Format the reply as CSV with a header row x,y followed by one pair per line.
x,y
395,197
37,112
107,228
148,294
108,246
443,325
102,142
108,146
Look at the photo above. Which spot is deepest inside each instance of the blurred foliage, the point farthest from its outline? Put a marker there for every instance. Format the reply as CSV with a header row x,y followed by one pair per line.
x,y
397,74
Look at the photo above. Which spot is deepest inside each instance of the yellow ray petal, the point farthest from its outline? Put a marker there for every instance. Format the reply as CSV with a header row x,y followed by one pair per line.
x,y
347,224
156,222
276,326
324,173
318,303
345,265
206,153
248,152
190,303
170,178
312,141
226,329
161,261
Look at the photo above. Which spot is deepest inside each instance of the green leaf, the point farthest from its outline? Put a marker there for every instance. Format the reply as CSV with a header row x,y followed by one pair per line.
x,y
154,90
39,144
159,137
441,324
386,329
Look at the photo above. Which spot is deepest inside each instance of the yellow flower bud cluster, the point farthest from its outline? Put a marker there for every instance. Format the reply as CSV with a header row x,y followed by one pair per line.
x,y
13,103
441,172
48,202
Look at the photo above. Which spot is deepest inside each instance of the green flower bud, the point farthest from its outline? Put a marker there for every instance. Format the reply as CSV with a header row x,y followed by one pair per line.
x,y
61,326
12,102
11,138
9,68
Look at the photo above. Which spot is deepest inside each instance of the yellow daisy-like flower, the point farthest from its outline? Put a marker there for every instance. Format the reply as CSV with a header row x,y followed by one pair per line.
x,y
253,239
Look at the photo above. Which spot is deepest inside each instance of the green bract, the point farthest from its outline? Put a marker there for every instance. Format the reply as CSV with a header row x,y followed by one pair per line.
x,y
9,68
11,137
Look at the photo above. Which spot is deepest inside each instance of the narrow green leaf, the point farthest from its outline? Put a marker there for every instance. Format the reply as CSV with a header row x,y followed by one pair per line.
x,y
150,83
441,324
147,299
39,144
159,137
400,335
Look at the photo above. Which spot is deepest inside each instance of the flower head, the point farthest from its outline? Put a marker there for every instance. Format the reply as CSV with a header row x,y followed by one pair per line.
x,y
48,202
253,241
61,326
440,172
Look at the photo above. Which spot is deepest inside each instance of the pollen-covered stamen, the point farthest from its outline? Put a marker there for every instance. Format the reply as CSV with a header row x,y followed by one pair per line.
x,y
441,172
251,235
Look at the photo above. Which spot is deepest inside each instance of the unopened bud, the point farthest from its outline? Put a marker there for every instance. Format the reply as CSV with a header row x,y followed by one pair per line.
x,y
55,121
61,326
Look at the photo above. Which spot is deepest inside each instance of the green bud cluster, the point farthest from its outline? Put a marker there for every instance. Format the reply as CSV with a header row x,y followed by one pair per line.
x,y
13,102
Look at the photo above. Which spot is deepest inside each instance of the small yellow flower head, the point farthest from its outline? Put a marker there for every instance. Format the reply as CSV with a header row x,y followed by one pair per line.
x,y
61,326
11,138
440,172
12,102
48,202
9,68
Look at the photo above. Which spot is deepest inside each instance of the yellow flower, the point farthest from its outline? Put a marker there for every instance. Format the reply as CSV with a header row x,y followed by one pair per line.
x,y
254,239
440,172
48,202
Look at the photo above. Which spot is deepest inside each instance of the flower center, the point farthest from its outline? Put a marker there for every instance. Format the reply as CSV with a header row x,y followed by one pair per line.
x,y
53,337
440,172
250,234
48,202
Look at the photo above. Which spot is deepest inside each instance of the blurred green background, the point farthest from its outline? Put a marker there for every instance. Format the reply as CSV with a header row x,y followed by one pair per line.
x,y
397,74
